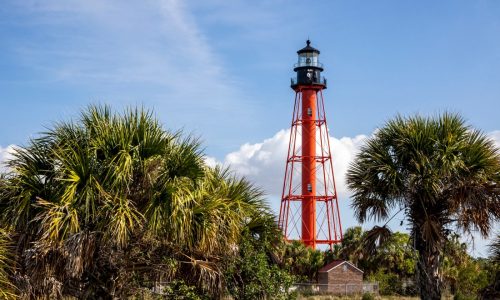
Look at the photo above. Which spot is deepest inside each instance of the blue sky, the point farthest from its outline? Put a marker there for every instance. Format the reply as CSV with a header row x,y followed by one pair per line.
x,y
221,69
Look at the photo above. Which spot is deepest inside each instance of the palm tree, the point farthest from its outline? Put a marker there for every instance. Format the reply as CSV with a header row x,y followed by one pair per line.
x,y
113,202
352,245
7,289
443,174
492,291
301,260
495,249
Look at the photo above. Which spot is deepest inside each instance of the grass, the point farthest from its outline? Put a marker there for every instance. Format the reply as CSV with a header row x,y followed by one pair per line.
x,y
327,297
359,297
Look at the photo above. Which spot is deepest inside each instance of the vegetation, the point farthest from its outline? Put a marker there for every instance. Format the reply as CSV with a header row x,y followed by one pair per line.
x,y
442,174
495,250
392,264
492,291
303,261
355,297
113,204
253,275
7,289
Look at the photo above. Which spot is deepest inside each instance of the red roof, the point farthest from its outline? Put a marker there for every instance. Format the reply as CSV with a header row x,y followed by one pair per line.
x,y
337,263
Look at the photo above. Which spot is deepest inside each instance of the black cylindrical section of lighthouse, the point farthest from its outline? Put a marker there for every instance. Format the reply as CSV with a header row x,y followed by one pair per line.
x,y
308,68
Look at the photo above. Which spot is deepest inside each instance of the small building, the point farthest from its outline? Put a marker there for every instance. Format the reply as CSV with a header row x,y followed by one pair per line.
x,y
340,277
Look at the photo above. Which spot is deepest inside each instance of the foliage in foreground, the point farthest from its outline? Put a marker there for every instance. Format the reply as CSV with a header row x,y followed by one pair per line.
x,y
444,176
113,204
253,275
7,289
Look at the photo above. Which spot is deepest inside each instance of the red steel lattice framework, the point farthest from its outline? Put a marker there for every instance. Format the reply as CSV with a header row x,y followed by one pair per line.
x,y
309,209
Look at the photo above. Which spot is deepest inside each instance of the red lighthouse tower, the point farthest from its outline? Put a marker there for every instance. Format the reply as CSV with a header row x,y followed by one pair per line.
x,y
309,209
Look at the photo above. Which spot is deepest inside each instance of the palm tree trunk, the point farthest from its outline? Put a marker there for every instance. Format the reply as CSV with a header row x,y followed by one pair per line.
x,y
429,278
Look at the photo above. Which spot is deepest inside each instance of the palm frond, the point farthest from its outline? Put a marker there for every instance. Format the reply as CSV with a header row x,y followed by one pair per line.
x,y
375,237
7,288
494,247
57,220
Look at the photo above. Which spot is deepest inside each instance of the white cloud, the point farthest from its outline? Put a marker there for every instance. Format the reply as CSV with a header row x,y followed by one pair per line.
x,y
495,136
211,161
264,163
5,155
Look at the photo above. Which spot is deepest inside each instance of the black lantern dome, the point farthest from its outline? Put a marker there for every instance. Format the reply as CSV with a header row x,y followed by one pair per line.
x,y
308,68
308,49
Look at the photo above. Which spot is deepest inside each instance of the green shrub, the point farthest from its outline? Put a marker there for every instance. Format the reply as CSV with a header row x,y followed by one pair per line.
x,y
368,296
389,283
460,296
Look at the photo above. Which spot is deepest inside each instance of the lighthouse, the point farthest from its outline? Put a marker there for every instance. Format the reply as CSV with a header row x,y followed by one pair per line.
x,y
309,209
